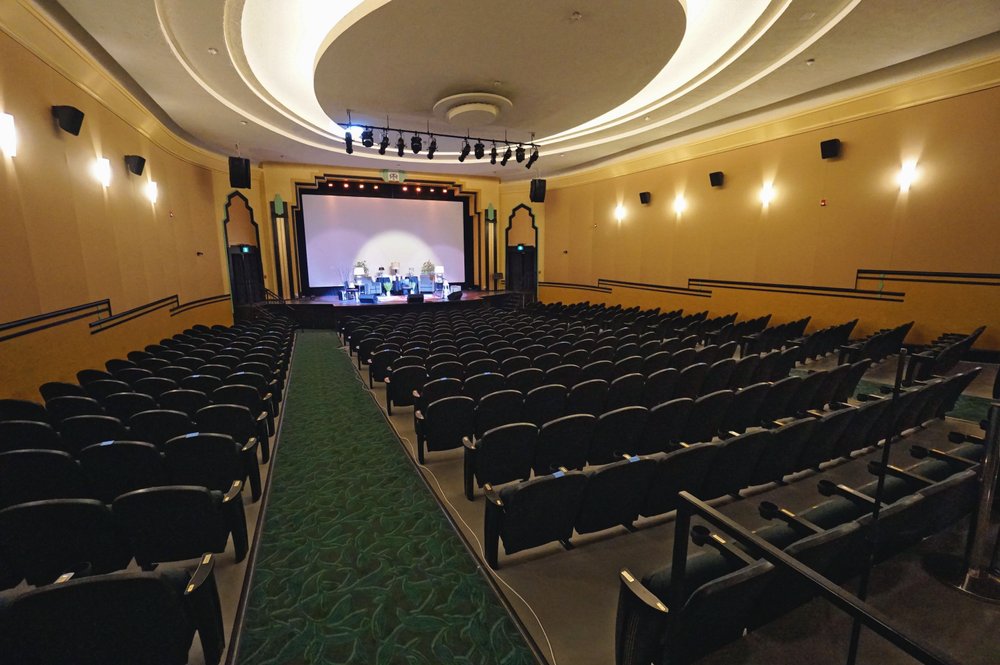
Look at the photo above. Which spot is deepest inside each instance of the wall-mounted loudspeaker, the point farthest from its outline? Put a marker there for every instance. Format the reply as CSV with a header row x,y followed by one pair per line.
x,y
716,178
537,194
135,164
830,149
645,198
239,172
69,118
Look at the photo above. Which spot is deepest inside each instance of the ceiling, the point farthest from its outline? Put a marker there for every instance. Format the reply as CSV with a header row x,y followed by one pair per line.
x,y
586,81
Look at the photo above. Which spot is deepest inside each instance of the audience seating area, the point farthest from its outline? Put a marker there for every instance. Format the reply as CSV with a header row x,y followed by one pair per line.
x,y
145,460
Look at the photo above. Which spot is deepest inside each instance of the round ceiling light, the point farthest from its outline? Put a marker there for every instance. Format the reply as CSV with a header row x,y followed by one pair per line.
x,y
472,109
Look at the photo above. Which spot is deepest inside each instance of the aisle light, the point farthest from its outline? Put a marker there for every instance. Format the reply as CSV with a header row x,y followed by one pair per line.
x,y
8,136
907,174
102,170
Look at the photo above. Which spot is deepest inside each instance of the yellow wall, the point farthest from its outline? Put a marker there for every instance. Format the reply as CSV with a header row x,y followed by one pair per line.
x,y
947,222
66,240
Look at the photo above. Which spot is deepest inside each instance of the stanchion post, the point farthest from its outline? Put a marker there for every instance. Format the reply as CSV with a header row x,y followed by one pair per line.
x,y
981,579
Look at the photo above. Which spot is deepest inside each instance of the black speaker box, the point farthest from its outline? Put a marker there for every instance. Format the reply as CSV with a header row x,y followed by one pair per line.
x,y
644,198
239,172
69,118
135,164
537,194
716,178
829,149
415,297
456,295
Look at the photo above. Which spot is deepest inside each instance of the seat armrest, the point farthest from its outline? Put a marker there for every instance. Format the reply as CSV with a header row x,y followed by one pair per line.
x,y
251,444
201,597
639,591
492,496
234,491
875,468
201,574
829,488
798,524
469,443
920,452
701,535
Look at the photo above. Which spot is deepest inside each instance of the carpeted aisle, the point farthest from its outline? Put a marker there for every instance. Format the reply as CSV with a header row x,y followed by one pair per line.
x,y
357,563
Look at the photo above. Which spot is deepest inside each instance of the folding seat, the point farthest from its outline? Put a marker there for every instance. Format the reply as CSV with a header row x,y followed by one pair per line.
x,y
175,373
211,369
503,454
734,463
602,352
690,379
85,376
44,539
524,380
178,522
655,362
125,405
227,360
545,403
498,408
444,424
683,357
378,366
213,461
560,347
587,397
432,391
139,356
949,500
766,364
205,355
477,386
805,396
743,411
781,455
159,426
401,383
682,470
707,413
481,366
660,387
827,390
744,371
132,374
530,514
626,351
189,362
514,363
248,397
22,409
822,445
155,365
503,353
775,404
148,618
187,401
408,360
533,350
104,387
36,474
25,434
719,376
785,363
664,426
598,369
563,442
546,361
437,357
78,432
61,389
577,357
627,365
614,494
154,386
113,468
61,408
626,390
447,369
616,433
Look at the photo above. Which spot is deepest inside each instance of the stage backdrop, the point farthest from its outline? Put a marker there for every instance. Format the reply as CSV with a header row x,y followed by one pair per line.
x,y
341,230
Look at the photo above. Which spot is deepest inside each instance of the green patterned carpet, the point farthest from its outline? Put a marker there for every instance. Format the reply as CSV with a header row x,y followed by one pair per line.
x,y
357,563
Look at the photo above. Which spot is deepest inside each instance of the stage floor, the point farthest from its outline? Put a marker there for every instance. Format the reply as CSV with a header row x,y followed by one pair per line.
x,y
335,301
324,311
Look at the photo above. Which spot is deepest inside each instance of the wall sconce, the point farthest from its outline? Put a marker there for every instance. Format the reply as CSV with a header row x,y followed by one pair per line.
x,y
102,170
680,205
8,136
907,174
152,191
620,213
767,194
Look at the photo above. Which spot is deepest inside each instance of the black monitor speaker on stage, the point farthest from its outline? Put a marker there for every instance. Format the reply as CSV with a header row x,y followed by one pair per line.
x,y
455,295
415,297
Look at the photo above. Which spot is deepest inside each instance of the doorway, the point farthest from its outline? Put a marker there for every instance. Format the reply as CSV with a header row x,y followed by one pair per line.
x,y
247,275
522,274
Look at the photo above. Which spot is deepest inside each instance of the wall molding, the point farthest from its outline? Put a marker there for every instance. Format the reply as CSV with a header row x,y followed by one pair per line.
x,y
660,288
569,285
800,289
926,277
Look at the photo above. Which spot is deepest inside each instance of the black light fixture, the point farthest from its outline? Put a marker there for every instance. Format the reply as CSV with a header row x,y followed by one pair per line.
x,y
432,148
506,156
416,143
465,151
69,118
384,143
368,137
519,153
493,154
400,145
135,164
480,150
349,141
533,158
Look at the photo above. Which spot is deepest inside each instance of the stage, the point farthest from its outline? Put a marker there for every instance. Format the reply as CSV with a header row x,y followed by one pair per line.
x,y
324,311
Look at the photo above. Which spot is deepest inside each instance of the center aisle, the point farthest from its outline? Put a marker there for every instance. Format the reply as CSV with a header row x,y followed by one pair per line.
x,y
357,563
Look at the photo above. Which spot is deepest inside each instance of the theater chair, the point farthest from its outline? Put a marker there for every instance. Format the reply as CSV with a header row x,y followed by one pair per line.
x,y
444,424
563,442
148,618
213,461
116,467
24,434
36,474
503,454
614,494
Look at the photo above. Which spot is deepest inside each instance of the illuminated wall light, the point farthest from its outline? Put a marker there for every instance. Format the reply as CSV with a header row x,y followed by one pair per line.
x,y
907,174
102,170
767,194
152,191
620,213
417,189
680,205
8,135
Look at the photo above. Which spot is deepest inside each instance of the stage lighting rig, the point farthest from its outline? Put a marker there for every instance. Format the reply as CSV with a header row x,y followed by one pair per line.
x,y
368,137
349,143
416,143
432,148
384,143
519,154
465,151
400,146
506,156
533,158
493,154
480,150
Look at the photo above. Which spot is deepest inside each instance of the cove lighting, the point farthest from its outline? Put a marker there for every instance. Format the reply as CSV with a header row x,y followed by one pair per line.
x,y
8,136
680,205
767,194
152,191
907,174
619,213
102,170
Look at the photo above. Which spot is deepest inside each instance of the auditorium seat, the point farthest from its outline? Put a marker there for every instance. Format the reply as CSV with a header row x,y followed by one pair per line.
x,y
614,494
617,433
706,417
587,397
497,408
154,386
125,405
482,366
501,455
782,451
52,389
564,374
627,365
116,467
805,396
185,400
102,388
733,464
249,397
148,618
61,408
546,361
79,432
158,426
564,442
477,386
742,413
247,428
85,376
775,404
821,446
129,375
664,426
682,470
38,474
626,390
401,383
23,434
690,379
213,461
660,386
445,423
597,369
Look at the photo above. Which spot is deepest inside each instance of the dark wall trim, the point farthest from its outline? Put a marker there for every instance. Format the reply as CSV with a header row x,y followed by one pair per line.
x,y
130,314
581,287
201,302
925,277
801,289
660,288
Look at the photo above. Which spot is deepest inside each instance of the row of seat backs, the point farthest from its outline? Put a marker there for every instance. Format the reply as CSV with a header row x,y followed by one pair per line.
x,y
824,341
942,357
877,346
774,337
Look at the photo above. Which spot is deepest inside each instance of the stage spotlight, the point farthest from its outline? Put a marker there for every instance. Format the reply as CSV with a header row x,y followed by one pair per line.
x,y
383,144
432,148
493,154
400,145
519,154
506,156
368,137
349,140
480,150
465,151
532,159
416,143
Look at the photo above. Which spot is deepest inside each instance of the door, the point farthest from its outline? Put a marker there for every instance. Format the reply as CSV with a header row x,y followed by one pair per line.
x,y
522,271
247,275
